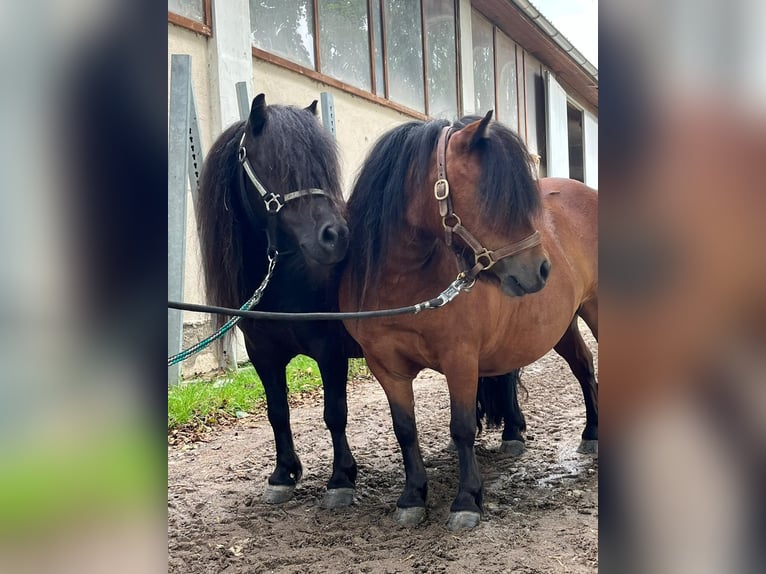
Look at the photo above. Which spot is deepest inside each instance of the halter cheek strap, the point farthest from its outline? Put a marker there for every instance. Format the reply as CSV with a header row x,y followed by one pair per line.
x,y
274,202
483,257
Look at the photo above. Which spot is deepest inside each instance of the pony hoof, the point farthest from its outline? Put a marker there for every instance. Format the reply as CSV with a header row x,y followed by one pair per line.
x,y
277,493
512,447
411,516
463,519
588,447
451,447
337,498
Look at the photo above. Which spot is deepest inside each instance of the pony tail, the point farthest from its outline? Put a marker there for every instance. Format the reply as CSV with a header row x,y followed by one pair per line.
x,y
497,397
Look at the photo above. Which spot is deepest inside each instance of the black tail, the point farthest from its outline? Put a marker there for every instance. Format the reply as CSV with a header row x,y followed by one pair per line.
x,y
497,401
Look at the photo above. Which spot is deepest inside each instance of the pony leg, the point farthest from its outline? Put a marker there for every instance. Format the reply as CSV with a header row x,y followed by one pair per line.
x,y
466,509
411,506
589,313
281,484
573,349
515,423
340,488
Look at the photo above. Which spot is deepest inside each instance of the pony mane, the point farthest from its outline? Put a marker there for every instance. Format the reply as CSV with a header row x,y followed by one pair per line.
x,y
293,152
508,192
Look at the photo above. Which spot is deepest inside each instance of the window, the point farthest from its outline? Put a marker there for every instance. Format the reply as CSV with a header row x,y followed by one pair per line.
x,y
344,42
404,52
284,28
192,14
192,9
375,46
482,33
507,92
442,58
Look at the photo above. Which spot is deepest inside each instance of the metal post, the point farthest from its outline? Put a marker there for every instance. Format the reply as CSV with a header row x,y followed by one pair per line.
x,y
243,100
178,168
328,112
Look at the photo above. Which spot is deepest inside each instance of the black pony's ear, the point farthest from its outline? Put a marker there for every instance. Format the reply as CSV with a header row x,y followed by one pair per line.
x,y
312,107
482,132
257,117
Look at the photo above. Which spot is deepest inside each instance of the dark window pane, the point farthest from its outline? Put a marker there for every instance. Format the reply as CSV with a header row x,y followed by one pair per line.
x,y
442,58
404,47
483,64
284,28
344,41
507,105
192,9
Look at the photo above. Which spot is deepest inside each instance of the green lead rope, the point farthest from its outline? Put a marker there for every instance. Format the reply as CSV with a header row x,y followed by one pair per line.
x,y
226,327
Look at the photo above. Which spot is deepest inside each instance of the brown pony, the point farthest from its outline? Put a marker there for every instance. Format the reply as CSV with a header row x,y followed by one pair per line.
x,y
427,202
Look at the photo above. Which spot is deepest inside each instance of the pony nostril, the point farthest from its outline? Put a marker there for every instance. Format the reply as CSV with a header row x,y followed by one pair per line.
x,y
545,269
329,234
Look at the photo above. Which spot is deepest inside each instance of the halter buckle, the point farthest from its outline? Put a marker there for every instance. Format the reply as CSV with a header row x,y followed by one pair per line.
x,y
242,154
273,203
484,254
441,189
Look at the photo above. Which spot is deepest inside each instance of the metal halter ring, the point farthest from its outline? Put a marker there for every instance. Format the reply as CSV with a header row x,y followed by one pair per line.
x,y
242,154
437,195
457,222
273,200
485,254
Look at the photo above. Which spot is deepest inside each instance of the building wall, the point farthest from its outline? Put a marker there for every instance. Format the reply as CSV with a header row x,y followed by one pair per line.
x,y
358,122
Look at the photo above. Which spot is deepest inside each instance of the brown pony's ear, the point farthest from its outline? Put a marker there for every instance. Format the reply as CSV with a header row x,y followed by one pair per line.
x,y
482,130
312,107
476,132
257,117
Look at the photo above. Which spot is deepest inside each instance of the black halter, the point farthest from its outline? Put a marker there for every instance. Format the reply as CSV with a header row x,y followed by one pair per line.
x,y
274,202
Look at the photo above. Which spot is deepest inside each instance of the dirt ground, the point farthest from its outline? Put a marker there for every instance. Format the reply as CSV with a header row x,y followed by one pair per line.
x,y
540,512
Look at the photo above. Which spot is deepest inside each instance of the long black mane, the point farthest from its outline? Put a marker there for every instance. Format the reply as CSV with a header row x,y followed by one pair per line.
x,y
401,158
292,152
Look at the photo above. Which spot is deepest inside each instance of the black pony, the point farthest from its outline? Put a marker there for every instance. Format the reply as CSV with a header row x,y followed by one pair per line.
x,y
252,169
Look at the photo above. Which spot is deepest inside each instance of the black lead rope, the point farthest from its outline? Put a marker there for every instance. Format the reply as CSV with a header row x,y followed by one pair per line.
x,y
460,284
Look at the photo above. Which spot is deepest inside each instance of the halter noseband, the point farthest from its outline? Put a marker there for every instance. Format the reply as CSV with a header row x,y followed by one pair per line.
x,y
483,257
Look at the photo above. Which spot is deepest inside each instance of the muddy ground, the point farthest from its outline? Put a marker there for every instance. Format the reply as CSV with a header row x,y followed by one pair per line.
x,y
540,515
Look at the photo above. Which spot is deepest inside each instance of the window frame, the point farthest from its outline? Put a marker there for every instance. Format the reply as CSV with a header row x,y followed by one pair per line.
x,y
205,28
384,100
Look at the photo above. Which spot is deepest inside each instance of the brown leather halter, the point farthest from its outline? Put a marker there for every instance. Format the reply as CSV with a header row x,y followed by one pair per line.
x,y
483,257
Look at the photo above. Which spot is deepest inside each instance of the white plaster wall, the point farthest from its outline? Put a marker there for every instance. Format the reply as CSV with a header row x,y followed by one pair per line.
x,y
358,122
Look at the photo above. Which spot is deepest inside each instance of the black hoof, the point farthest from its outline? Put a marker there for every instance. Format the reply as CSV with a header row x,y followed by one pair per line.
x,y
512,447
588,447
411,516
463,519
338,498
277,493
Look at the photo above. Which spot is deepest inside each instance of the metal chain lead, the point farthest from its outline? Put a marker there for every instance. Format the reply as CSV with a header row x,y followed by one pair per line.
x,y
249,304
